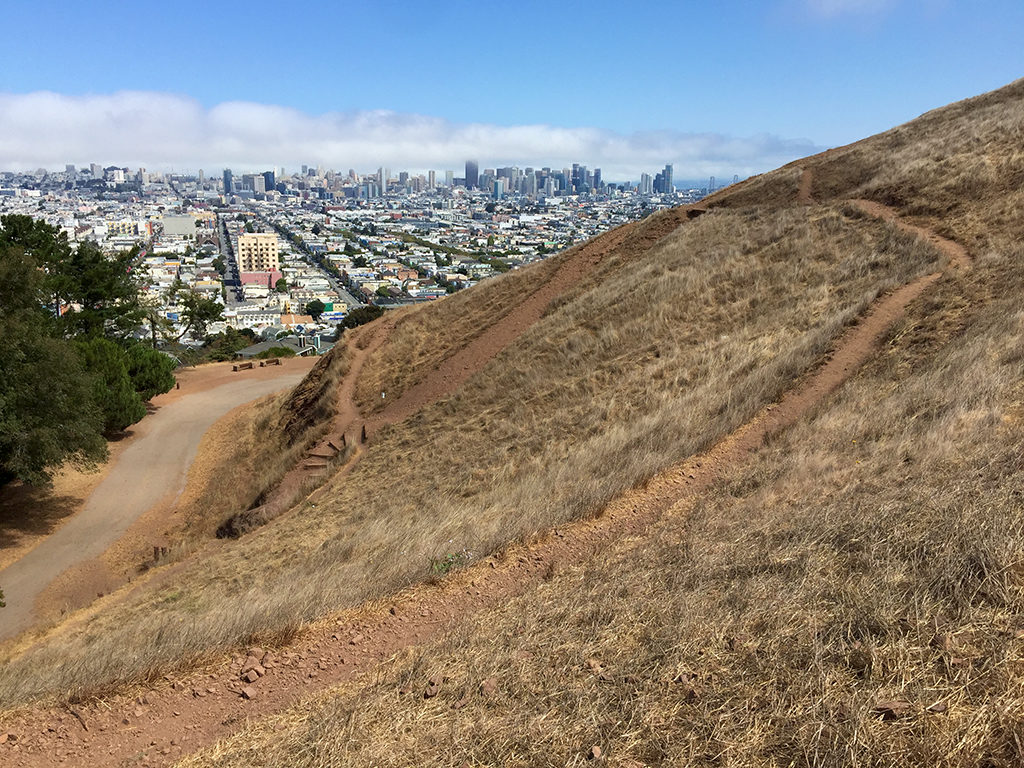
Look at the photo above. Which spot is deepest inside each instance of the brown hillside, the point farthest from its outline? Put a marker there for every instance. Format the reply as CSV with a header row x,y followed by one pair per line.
x,y
850,597
855,571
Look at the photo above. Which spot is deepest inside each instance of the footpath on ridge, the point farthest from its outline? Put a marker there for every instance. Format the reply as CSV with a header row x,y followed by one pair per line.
x,y
192,710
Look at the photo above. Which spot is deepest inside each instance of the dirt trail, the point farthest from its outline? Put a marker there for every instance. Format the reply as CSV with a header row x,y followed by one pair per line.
x,y
955,252
803,192
350,428
343,435
453,371
185,713
152,468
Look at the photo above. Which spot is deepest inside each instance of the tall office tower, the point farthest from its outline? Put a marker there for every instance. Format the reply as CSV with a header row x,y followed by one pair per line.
x,y
202,178
711,185
96,170
669,183
269,180
646,184
472,174
659,183
69,169
597,179
352,174
305,170
549,186
449,179
529,186
280,172
257,252
431,179
403,178
382,179
259,183
227,181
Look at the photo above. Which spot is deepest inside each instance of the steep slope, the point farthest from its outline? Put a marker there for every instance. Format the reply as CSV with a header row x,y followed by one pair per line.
x,y
850,597
651,356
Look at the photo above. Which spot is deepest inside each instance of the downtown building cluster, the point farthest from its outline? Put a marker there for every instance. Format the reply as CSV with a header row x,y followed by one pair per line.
x,y
268,244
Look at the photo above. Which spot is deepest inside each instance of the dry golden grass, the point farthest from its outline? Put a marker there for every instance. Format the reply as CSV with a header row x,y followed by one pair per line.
x,y
266,439
422,339
760,630
867,563
674,350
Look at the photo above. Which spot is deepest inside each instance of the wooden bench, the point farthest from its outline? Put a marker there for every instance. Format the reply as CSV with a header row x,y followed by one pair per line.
x,y
241,366
271,361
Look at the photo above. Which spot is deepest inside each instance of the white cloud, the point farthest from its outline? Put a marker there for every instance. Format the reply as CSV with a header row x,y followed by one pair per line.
x,y
165,131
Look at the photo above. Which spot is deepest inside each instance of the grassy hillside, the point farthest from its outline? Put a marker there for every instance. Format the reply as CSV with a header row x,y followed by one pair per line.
x,y
852,596
650,357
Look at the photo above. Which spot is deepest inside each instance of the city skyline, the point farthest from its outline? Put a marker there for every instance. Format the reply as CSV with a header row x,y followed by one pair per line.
x,y
742,89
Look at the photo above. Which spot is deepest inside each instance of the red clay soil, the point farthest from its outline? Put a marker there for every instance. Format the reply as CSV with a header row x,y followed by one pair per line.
x,y
182,714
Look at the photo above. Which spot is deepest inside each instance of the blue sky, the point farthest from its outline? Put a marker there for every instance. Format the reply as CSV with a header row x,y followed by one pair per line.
x,y
732,86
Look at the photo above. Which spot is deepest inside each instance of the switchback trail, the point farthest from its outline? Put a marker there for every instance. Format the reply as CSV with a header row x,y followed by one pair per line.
x,y
187,712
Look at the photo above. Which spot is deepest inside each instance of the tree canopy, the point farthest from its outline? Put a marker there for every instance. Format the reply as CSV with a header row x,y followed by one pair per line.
x,y
315,308
361,315
69,369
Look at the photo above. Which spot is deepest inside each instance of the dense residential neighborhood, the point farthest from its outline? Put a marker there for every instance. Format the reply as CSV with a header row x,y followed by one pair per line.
x,y
292,256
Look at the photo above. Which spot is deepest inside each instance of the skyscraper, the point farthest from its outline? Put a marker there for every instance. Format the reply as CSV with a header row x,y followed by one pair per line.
x,y
227,181
472,174
668,182
431,179
269,181
449,179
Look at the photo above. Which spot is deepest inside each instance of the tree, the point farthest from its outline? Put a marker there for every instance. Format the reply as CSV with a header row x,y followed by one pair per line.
x,y
223,346
197,311
249,227
47,414
281,286
383,292
315,308
361,316
316,229
151,372
219,265
107,366
105,288
360,262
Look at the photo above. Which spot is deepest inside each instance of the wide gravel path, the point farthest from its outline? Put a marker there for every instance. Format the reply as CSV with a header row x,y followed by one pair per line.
x,y
149,470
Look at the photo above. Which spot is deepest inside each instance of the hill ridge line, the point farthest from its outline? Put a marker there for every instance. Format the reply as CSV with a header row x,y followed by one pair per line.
x,y
185,713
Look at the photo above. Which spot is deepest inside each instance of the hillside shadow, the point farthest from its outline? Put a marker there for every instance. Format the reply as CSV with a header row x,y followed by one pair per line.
x,y
27,511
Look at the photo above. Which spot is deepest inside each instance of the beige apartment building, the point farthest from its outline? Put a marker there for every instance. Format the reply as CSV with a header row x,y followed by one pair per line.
x,y
257,252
